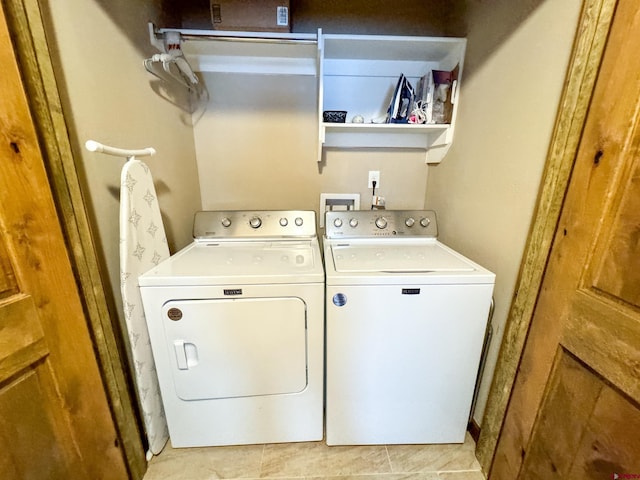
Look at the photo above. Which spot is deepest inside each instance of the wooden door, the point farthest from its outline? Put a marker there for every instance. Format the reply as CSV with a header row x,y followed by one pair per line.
x,y
55,421
574,411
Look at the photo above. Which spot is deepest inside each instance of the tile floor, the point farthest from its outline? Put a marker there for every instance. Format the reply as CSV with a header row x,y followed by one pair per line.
x,y
318,461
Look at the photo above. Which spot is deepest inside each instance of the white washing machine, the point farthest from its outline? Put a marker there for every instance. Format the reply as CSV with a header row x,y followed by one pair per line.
x,y
236,321
405,323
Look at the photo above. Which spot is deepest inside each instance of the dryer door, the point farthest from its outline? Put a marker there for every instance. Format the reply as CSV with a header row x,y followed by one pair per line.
x,y
225,348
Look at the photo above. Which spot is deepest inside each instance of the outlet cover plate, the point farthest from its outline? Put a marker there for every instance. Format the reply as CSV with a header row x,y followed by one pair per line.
x,y
374,175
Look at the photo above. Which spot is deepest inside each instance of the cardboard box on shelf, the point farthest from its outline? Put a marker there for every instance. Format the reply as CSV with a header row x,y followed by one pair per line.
x,y
251,15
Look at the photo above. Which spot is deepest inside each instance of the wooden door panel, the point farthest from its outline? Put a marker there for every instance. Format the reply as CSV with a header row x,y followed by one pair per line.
x,y
587,429
8,285
619,270
607,337
22,341
610,443
572,396
28,398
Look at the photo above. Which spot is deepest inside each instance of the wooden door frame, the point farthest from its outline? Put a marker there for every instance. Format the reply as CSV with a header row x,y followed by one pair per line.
x,y
29,41
588,49
26,26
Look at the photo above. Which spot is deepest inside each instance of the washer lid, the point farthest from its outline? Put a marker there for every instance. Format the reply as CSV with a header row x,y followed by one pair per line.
x,y
239,262
398,258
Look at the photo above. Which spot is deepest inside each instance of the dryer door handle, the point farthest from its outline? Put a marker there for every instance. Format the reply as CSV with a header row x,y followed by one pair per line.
x,y
181,354
186,354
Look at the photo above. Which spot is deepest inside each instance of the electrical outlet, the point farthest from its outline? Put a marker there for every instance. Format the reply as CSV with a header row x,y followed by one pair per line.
x,y
374,176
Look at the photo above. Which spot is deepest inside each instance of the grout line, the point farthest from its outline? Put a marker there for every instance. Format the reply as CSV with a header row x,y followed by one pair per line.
x,y
389,459
264,447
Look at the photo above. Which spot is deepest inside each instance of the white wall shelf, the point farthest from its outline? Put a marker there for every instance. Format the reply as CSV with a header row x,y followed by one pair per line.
x,y
359,74
356,73
352,135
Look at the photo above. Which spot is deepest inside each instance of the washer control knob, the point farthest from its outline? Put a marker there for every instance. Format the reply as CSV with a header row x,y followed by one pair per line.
x,y
284,222
226,222
255,222
299,221
353,222
381,222
409,222
425,222
337,222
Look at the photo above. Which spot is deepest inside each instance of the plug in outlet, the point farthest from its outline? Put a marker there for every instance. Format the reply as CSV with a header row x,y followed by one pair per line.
x,y
374,176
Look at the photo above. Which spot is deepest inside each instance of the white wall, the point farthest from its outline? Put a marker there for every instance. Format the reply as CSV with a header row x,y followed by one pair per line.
x,y
109,97
256,147
486,188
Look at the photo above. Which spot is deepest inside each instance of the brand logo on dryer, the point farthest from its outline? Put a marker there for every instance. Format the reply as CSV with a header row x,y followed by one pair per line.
x,y
232,291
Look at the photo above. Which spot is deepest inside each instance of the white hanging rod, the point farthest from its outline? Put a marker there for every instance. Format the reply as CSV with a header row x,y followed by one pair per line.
x,y
257,37
94,146
231,38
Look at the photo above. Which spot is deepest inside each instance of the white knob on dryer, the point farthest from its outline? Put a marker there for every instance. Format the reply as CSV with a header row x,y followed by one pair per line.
x,y
409,222
284,222
337,222
381,222
353,222
255,222
425,222
226,222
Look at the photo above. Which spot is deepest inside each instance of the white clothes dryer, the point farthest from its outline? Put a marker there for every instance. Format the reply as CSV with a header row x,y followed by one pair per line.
x,y
405,324
236,321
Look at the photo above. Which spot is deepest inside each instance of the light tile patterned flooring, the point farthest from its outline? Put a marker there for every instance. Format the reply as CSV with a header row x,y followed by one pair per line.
x,y
318,461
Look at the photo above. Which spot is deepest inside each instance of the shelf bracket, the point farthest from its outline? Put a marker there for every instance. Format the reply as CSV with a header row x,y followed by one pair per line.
x,y
154,38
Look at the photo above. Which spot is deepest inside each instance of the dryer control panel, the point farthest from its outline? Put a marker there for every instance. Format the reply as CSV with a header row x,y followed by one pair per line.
x,y
254,224
381,223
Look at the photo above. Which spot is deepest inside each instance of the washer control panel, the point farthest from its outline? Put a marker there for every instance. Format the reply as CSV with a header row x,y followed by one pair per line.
x,y
208,225
381,223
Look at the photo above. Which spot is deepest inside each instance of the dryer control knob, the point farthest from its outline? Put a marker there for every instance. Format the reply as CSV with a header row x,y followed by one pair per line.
x,y
353,222
409,222
255,222
299,221
337,222
226,222
381,222
425,222
284,222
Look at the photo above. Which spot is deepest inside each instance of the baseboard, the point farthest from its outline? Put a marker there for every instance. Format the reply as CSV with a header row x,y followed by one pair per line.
x,y
474,429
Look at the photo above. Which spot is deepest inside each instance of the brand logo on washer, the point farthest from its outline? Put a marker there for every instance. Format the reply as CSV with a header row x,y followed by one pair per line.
x,y
233,291
339,299
174,314
411,291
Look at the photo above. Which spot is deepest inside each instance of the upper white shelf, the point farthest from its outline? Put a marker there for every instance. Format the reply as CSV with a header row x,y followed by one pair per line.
x,y
439,50
359,74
